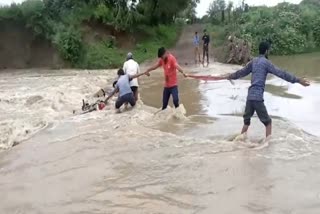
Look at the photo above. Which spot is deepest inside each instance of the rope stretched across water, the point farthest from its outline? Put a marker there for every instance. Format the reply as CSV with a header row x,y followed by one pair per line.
x,y
208,78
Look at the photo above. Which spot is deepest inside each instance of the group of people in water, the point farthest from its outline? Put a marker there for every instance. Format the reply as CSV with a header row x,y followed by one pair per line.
x,y
259,67
238,51
127,84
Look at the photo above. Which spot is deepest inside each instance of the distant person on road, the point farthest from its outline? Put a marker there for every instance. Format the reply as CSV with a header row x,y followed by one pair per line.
x,y
233,50
260,67
196,43
245,54
170,67
206,42
131,67
122,86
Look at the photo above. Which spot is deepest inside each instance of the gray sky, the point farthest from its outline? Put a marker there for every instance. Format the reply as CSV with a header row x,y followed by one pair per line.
x,y
5,2
204,4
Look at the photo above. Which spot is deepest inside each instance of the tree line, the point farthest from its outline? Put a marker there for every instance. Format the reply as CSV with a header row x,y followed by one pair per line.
x,y
60,21
291,28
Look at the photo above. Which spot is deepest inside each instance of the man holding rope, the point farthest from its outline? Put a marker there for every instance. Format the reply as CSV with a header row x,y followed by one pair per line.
x,y
170,67
260,67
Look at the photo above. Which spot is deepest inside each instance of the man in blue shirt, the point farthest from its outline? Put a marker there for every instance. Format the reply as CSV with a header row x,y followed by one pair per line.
x,y
122,85
260,67
196,43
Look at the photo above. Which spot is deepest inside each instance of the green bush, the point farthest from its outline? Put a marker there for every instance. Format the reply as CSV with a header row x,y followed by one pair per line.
x,y
69,44
13,13
167,34
316,31
33,12
288,41
291,28
103,14
100,55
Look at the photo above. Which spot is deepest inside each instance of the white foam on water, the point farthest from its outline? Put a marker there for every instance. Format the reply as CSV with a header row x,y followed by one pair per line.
x,y
171,114
29,103
13,132
50,99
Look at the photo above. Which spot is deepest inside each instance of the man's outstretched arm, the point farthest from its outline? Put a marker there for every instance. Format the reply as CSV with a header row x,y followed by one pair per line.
x,y
111,94
286,76
181,70
131,77
152,69
240,73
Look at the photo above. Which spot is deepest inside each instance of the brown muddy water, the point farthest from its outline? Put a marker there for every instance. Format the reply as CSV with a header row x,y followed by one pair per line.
x,y
142,162
222,101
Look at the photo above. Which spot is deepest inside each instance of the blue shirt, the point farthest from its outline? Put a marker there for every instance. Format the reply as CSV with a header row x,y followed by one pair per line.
x,y
123,85
196,40
260,67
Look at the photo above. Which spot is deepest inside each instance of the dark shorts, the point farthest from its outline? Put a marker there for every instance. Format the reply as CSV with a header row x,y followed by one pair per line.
x,y
258,107
134,89
127,98
167,92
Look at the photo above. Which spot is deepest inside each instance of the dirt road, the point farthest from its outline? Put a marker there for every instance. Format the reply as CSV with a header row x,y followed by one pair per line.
x,y
184,49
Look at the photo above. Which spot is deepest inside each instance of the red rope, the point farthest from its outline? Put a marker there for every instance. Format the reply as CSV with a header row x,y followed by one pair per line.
x,y
206,78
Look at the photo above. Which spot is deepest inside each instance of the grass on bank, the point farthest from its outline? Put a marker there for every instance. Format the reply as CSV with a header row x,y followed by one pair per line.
x,y
217,33
64,29
101,55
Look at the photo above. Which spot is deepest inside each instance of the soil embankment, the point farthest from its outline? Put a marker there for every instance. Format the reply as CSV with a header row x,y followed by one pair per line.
x,y
21,48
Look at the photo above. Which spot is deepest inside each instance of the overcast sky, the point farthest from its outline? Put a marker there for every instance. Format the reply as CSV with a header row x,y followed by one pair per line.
x,y
204,4
4,2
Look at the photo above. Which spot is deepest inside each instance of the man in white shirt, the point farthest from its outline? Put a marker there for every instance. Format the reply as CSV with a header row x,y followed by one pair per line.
x,y
131,67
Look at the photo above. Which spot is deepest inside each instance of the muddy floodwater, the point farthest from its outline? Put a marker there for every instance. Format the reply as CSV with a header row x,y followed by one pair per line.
x,y
141,161
222,101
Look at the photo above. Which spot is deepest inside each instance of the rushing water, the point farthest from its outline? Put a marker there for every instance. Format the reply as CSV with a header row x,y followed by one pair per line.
x,y
143,162
221,100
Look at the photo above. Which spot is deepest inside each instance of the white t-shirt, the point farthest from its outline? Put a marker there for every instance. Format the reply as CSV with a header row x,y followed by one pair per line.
x,y
131,67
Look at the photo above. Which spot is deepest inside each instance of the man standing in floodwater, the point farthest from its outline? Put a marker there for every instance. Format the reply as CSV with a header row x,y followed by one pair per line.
x,y
131,67
260,67
206,42
196,43
170,67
